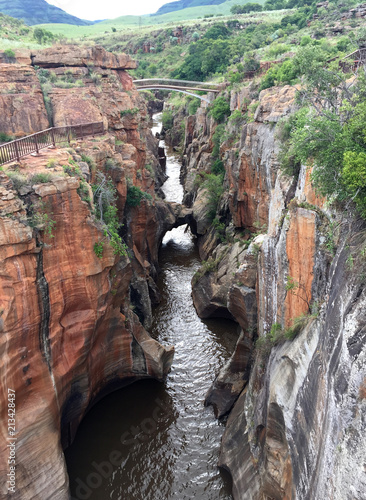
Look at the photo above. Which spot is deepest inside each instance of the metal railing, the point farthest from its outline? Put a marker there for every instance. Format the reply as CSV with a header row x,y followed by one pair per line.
x,y
14,150
169,82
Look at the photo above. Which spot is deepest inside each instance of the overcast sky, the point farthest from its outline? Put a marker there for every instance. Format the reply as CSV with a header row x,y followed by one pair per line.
x,y
108,9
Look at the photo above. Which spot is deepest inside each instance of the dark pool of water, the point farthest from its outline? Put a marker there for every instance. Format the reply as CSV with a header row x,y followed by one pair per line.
x,y
164,442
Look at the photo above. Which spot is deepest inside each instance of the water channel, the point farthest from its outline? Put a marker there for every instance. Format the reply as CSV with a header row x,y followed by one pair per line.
x,y
173,441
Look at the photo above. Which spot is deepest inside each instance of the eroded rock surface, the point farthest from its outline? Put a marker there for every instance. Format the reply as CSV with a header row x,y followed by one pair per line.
x,y
299,403
22,109
68,330
72,55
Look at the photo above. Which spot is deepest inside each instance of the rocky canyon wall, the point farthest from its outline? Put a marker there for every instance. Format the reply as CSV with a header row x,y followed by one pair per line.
x,y
73,314
291,272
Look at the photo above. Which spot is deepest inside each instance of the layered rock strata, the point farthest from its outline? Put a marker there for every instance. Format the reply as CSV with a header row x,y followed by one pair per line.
x,y
67,329
299,406
73,315
22,109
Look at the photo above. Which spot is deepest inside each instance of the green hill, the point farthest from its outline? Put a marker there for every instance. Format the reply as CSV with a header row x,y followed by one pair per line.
x,y
38,12
184,4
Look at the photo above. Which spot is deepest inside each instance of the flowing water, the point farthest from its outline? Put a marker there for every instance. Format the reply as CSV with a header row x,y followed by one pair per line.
x,y
155,441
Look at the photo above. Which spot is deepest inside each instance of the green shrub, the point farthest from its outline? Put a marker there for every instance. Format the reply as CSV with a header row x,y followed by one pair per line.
x,y
131,111
52,77
83,191
88,160
246,8
220,228
105,196
40,178
63,85
214,185
220,109
252,7
95,77
285,73
218,167
5,137
98,249
18,180
51,163
41,218
193,105
236,117
205,58
298,324
216,31
167,120
217,140
354,178
235,77
305,40
277,49
251,64
134,196
9,54
72,170
207,266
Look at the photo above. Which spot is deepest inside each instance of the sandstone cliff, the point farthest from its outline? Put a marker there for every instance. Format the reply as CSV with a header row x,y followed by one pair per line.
x,y
284,267
71,312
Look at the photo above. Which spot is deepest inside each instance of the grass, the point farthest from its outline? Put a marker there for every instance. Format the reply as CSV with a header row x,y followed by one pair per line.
x,y
277,335
142,25
40,178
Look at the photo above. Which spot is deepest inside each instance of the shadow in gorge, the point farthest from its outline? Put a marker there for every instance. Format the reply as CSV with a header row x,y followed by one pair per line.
x,y
120,441
153,441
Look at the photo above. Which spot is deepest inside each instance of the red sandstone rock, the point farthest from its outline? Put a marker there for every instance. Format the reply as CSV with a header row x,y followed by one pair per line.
x,y
22,109
300,249
21,57
74,55
63,335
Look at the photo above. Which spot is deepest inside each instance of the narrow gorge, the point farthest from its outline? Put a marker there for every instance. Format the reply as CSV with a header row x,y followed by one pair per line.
x,y
99,341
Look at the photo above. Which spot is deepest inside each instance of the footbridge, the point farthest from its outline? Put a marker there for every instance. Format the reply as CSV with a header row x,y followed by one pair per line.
x,y
187,87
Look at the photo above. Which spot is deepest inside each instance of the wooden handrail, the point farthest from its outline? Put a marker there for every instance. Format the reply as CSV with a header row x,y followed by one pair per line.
x,y
14,150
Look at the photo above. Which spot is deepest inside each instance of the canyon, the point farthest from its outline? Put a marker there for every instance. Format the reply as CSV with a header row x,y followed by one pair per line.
x,y
296,403
289,269
70,320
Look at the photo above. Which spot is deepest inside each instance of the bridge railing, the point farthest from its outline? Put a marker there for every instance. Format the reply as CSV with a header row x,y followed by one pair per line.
x,y
177,83
25,146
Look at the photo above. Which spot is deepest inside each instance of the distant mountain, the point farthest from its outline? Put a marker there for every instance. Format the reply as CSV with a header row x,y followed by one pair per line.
x,y
184,4
38,12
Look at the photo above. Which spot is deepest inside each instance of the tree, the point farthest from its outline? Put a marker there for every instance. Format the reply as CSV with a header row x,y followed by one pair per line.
x,y
214,186
246,8
220,109
42,36
329,131
216,31
205,57
105,196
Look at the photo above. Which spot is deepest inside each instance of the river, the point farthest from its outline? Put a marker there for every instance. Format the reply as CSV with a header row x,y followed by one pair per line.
x,y
172,441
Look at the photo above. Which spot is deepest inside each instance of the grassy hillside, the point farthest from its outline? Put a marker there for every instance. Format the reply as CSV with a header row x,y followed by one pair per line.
x,y
133,22
14,34
37,12
183,4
